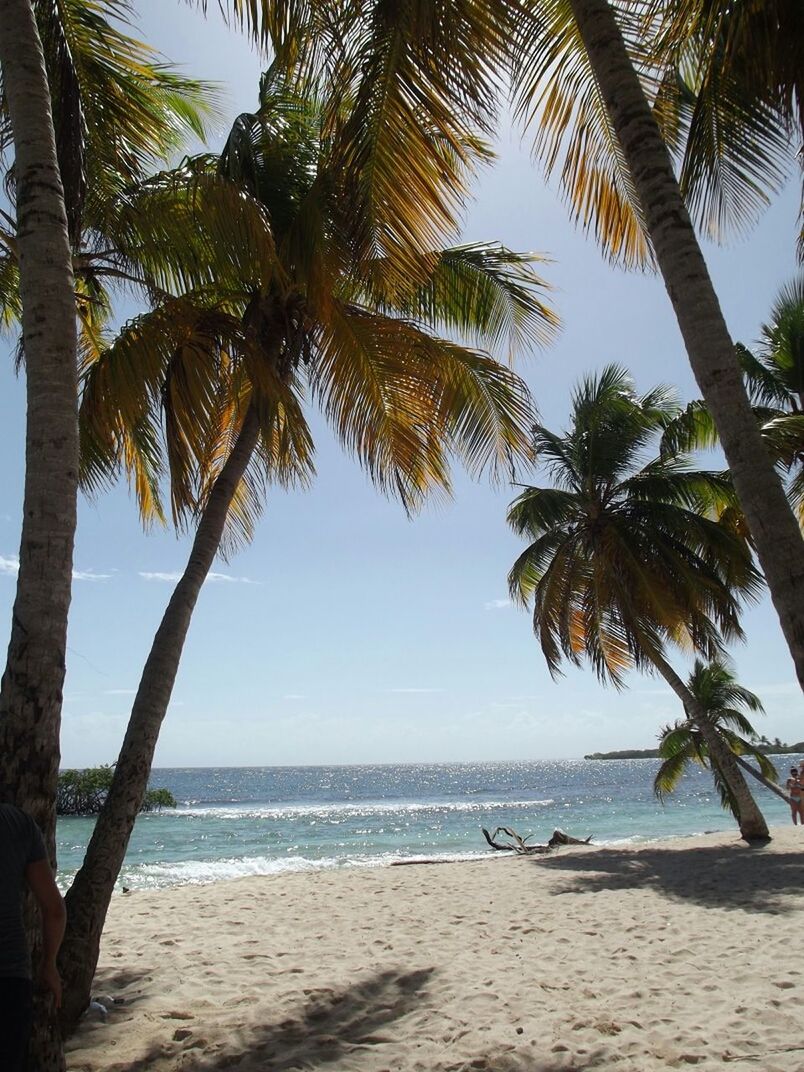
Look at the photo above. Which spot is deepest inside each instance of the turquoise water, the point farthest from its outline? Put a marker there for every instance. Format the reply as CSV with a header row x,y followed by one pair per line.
x,y
256,821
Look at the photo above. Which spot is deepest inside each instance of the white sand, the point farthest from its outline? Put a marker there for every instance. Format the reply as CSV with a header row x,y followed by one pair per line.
x,y
677,953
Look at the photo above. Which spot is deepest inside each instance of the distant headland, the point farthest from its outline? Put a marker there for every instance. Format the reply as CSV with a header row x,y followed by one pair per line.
x,y
770,748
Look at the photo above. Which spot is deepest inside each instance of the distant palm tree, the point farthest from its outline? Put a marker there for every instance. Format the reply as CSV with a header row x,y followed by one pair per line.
x,y
774,377
210,388
724,702
630,554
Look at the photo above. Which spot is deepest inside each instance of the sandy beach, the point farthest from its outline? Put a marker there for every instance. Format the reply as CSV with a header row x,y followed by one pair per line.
x,y
674,954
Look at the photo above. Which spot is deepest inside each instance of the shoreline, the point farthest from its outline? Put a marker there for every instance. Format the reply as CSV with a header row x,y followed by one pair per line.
x,y
311,866
640,958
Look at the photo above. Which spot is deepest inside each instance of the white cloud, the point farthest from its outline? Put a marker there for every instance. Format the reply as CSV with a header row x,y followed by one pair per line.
x,y
229,578
10,565
90,575
417,690
497,604
212,577
294,696
120,692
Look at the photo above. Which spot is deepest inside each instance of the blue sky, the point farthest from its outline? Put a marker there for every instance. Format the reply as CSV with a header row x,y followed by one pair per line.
x,y
345,632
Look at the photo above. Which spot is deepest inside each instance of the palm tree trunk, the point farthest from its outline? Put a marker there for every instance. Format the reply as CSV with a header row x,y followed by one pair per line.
x,y
760,777
711,352
753,825
89,896
31,689
752,822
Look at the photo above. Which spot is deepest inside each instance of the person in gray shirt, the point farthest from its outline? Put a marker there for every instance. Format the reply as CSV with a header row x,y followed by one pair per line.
x,y
23,860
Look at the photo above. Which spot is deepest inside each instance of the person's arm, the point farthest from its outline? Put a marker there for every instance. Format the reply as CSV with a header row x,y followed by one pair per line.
x,y
54,916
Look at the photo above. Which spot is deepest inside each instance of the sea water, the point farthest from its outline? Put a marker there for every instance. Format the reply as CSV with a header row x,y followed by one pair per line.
x,y
231,822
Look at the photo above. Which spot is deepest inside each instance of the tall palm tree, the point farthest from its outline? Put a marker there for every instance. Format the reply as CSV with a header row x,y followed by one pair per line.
x,y
227,368
85,110
591,124
119,110
631,554
30,696
725,703
774,378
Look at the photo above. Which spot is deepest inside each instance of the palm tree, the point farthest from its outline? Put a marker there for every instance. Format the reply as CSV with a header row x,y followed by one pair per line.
x,y
725,703
116,111
631,554
119,111
774,378
552,70
228,368
30,695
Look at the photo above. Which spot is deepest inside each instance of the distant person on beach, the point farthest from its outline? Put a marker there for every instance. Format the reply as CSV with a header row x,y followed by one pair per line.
x,y
793,786
23,861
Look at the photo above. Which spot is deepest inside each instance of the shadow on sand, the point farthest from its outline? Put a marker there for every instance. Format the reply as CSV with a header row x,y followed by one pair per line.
x,y
331,1030
737,876
326,1027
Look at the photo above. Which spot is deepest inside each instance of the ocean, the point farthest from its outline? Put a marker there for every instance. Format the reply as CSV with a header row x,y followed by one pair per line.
x,y
232,822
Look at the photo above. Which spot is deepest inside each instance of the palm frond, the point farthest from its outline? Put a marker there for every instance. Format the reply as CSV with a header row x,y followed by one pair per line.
x,y
423,88
692,429
485,292
672,769
404,402
557,95
764,387
120,110
732,77
10,304
540,510
186,229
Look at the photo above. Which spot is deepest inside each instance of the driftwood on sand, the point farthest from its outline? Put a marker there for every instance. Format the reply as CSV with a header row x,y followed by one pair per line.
x,y
520,845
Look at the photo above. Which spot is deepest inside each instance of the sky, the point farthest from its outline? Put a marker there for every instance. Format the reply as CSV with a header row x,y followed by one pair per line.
x,y
347,633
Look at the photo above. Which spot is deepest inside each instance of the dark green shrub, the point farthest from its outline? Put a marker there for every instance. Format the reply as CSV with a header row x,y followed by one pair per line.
x,y
82,792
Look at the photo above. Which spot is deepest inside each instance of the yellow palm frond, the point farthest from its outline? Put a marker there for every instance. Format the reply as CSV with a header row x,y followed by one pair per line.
x,y
189,228
556,95
404,402
483,292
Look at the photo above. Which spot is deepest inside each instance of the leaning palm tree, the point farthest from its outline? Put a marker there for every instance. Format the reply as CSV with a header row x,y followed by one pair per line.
x,y
774,377
209,388
571,57
632,554
724,703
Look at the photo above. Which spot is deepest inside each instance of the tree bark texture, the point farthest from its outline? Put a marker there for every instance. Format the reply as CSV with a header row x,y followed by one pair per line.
x,y
31,689
776,533
751,820
89,896
760,777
